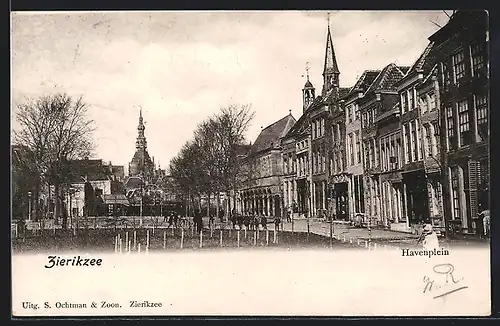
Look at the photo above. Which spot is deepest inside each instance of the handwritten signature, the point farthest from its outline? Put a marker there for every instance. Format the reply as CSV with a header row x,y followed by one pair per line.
x,y
447,281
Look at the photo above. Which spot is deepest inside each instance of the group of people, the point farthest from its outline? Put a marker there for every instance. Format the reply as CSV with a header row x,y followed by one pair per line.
x,y
176,219
253,222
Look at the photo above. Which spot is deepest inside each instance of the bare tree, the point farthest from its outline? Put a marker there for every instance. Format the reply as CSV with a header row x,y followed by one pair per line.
x,y
187,171
212,161
233,124
56,130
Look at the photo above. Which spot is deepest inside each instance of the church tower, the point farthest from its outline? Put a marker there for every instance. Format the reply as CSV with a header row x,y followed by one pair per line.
x,y
308,92
140,143
141,164
331,70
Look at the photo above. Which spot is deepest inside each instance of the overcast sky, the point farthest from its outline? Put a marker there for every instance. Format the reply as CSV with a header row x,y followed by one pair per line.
x,y
183,66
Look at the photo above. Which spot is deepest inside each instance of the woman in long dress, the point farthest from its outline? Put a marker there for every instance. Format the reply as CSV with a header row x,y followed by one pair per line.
x,y
431,241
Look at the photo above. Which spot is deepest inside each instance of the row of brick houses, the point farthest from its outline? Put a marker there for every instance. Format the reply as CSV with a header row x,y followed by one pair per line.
x,y
403,146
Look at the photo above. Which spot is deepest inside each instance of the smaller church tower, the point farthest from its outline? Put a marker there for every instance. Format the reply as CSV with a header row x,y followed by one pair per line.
x,y
308,92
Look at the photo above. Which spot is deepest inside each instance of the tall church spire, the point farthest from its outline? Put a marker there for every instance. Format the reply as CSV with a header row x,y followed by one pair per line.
x,y
331,70
141,139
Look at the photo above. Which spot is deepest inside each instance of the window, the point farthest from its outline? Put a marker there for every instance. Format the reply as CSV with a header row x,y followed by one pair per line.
x,y
435,136
420,143
455,193
333,134
367,153
423,103
458,60
393,158
483,173
383,153
372,155
432,101
410,99
403,102
481,116
358,146
314,162
445,75
406,143
450,127
351,149
323,157
341,158
356,112
477,58
413,131
322,126
428,140
349,113
398,153
463,123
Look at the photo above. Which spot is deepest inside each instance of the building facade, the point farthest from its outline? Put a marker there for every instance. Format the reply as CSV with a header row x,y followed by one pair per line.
x,y
376,107
354,145
261,193
419,127
463,79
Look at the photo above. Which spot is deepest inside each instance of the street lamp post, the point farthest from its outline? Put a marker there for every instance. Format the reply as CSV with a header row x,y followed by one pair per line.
x,y
29,205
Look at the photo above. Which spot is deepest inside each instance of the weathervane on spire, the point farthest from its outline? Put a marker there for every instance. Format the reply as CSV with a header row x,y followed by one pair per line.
x,y
328,19
307,70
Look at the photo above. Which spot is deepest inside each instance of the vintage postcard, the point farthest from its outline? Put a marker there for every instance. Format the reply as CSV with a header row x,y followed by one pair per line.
x,y
250,163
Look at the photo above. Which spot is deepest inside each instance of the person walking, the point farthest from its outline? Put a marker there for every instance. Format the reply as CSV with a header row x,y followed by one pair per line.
x,y
211,221
247,222
198,221
486,222
170,219
277,223
430,239
176,220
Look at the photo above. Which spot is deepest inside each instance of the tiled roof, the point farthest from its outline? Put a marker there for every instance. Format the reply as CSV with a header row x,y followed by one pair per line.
x,y
387,78
141,156
134,182
297,126
404,69
426,78
424,62
364,82
92,170
270,136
